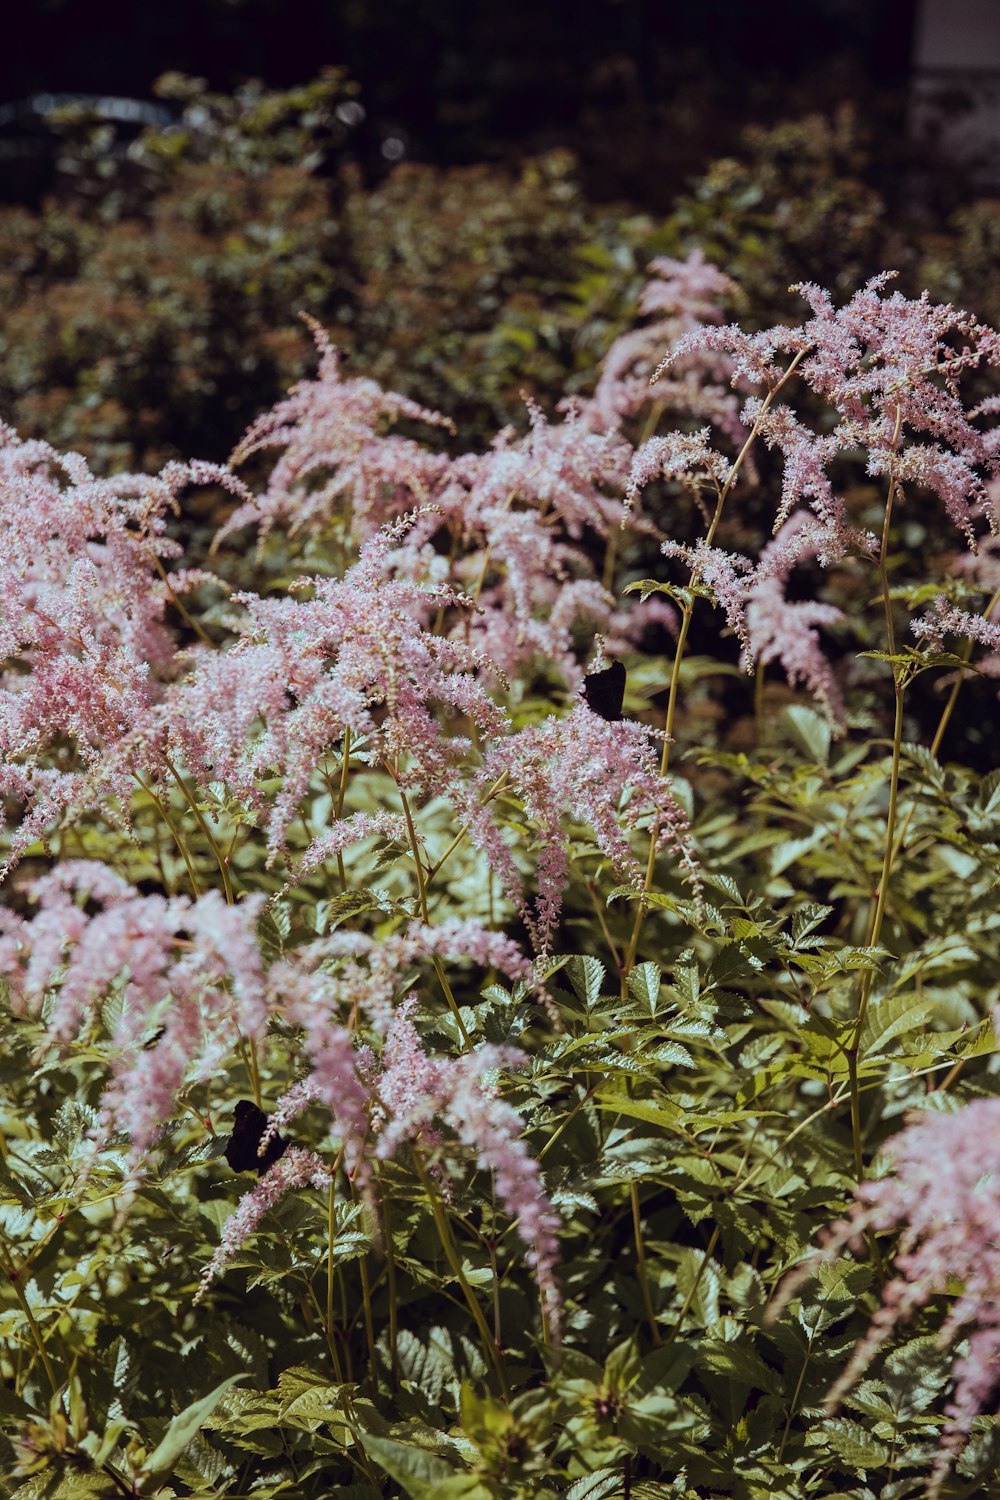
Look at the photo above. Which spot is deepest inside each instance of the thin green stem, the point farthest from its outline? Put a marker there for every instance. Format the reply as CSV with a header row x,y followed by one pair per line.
x,y
181,609
345,767
686,1307
878,912
366,1302
640,1255
451,1255
418,863
14,1278
687,612
203,825
164,812
390,1267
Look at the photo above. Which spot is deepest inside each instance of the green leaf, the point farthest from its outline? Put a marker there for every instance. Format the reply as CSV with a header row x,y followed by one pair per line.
x,y
895,1016
809,731
586,975
595,1486
854,1444
184,1427
644,985
414,1468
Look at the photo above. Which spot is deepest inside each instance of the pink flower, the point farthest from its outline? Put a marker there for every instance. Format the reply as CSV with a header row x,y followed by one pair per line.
x,y
727,574
942,1196
785,631
891,368
681,297
599,773
357,656
336,456
84,603
295,1170
413,1089
947,619
186,975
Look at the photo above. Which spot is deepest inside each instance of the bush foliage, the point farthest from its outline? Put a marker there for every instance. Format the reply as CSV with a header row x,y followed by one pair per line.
x,y
497,950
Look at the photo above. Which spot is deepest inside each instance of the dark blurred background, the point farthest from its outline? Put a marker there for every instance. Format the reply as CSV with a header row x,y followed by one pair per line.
x,y
466,195
640,90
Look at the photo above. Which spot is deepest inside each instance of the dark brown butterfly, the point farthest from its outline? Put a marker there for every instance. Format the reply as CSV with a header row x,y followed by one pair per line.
x,y
248,1128
604,691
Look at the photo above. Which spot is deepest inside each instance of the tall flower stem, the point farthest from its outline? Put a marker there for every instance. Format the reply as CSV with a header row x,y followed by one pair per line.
x,y
490,1349
640,1255
13,1276
878,911
203,825
418,864
390,1268
182,847
345,767
687,612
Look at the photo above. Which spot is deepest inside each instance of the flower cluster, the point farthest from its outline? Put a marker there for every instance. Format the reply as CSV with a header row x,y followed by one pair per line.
x,y
187,978
599,773
942,1195
357,657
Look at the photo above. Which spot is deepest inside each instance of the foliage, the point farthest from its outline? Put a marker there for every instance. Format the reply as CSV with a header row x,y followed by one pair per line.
x,y
575,1026
148,309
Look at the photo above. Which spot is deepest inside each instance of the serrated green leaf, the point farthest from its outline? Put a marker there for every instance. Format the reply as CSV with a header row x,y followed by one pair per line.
x,y
183,1428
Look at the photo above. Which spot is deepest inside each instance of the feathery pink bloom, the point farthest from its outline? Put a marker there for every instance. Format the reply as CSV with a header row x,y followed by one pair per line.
x,y
295,1170
681,296
357,656
412,1090
187,976
947,619
83,611
785,631
688,458
891,367
727,574
942,1195
336,455
598,773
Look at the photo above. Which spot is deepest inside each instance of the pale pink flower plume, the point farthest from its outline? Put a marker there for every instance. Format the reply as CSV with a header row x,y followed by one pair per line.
x,y
785,631
295,1170
686,457
336,455
948,619
891,367
727,574
84,604
942,1196
357,656
186,976
412,1090
681,297
581,767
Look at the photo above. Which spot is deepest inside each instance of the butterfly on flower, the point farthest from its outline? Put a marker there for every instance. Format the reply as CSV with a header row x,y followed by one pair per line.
x,y
604,691
243,1146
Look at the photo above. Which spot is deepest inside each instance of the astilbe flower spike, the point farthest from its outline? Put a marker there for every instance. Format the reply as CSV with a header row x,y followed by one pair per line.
x,y
188,975
891,367
948,619
411,1090
942,1196
598,773
779,629
295,1170
681,297
335,454
358,656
